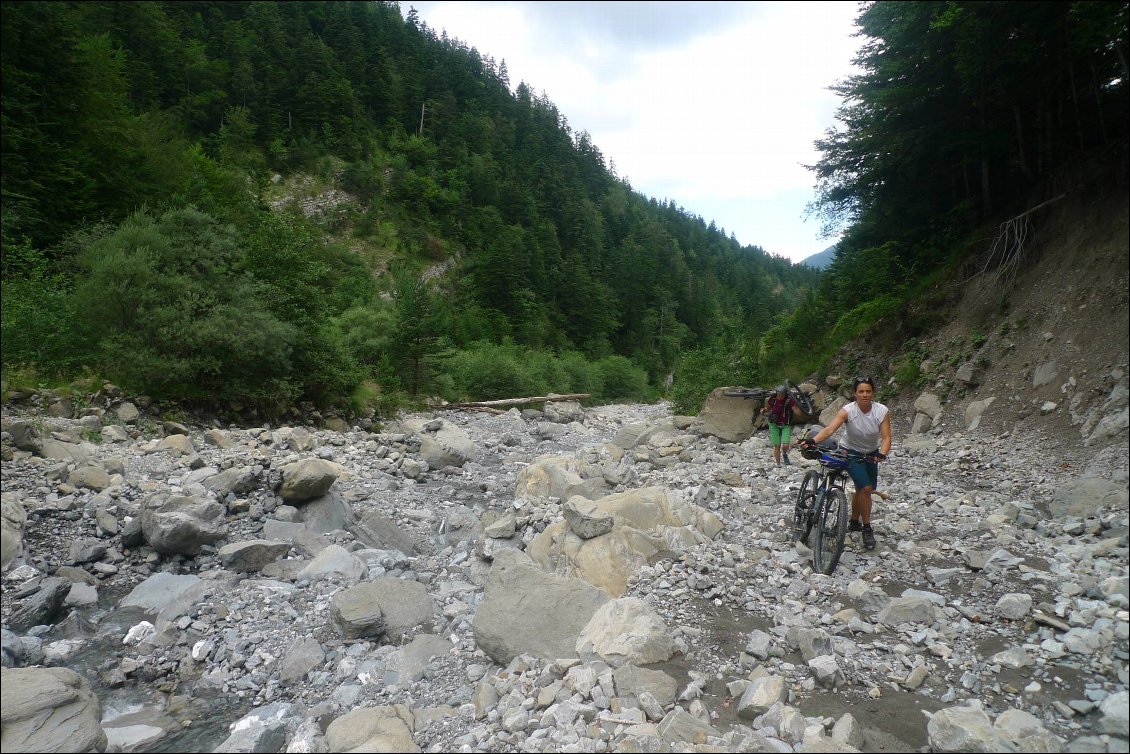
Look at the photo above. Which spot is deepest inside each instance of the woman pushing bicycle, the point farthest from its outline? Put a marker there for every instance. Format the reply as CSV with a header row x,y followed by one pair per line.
x,y
867,433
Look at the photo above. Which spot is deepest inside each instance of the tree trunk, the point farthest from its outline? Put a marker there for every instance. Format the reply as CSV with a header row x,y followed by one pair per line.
x,y
1020,151
517,401
986,203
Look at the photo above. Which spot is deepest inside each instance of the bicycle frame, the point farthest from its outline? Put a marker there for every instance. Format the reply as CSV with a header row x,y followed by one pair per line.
x,y
823,503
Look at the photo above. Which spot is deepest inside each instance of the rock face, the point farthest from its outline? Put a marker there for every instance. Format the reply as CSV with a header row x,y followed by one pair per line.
x,y
50,710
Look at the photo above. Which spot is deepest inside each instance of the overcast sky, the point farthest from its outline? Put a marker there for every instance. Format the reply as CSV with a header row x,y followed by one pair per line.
x,y
714,105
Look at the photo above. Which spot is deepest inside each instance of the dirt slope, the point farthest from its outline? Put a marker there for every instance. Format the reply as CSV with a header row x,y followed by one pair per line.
x,y
1060,321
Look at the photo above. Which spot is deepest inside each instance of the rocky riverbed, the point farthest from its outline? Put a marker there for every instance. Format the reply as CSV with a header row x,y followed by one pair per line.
x,y
569,579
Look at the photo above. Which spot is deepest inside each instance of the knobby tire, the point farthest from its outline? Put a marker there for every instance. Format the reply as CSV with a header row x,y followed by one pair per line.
x,y
804,507
831,530
802,398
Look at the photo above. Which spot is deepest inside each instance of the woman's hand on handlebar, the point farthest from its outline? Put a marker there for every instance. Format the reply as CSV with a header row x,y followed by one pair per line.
x,y
876,457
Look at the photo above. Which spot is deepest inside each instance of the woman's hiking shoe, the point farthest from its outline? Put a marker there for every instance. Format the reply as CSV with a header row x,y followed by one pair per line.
x,y
868,537
787,461
855,525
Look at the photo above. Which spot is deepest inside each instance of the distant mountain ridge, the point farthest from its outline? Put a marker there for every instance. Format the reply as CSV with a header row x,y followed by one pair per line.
x,y
821,259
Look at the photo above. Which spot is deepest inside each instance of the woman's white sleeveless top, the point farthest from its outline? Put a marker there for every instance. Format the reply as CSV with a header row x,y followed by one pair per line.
x,y
861,431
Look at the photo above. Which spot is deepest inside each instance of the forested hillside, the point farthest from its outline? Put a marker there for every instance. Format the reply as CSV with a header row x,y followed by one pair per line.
x,y
967,123
144,141
476,246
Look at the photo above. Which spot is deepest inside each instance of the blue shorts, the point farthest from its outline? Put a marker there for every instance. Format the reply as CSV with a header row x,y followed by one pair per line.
x,y
864,473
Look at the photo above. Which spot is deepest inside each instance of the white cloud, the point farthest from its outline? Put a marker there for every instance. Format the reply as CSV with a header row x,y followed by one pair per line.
x,y
713,105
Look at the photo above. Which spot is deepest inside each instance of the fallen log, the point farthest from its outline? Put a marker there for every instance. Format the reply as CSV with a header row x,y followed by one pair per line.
x,y
516,401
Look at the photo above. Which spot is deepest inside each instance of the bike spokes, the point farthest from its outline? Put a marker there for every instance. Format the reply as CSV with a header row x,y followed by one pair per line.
x,y
804,507
831,530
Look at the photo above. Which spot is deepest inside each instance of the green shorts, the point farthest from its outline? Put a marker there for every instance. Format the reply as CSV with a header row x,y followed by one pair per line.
x,y
779,434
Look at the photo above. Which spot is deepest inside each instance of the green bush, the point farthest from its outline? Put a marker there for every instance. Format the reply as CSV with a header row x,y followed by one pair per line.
x,y
39,323
621,380
490,371
366,331
700,371
908,373
487,371
173,316
581,375
862,318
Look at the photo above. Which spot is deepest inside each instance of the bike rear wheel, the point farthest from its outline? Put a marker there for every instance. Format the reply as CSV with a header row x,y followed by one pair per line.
x,y
803,399
805,507
831,529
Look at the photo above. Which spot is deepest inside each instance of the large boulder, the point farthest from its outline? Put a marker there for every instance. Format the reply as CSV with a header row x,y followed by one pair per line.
x,y
964,729
443,444
89,476
833,408
563,412
261,729
252,555
390,606
327,513
237,480
182,524
386,729
559,477
41,608
295,438
645,522
22,433
626,631
975,410
57,450
158,591
377,529
49,710
728,418
308,479
1086,495
13,517
334,562
528,611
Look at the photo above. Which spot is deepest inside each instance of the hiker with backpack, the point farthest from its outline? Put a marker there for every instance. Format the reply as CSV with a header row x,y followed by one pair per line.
x,y
779,407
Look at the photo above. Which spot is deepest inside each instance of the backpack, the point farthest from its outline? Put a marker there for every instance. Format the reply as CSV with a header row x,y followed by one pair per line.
x,y
779,409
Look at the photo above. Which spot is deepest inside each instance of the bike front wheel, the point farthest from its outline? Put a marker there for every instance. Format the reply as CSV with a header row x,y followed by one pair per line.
x,y
803,399
831,530
805,507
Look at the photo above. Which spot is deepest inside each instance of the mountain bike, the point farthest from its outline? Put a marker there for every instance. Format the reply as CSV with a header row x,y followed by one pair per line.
x,y
822,503
803,399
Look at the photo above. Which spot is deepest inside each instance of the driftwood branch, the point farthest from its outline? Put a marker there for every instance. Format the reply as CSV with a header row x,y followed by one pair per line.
x,y
488,405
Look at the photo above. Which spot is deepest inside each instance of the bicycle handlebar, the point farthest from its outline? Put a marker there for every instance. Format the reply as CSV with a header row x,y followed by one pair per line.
x,y
875,457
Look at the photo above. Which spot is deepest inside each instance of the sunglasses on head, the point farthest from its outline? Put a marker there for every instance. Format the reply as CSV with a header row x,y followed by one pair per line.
x,y
860,380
